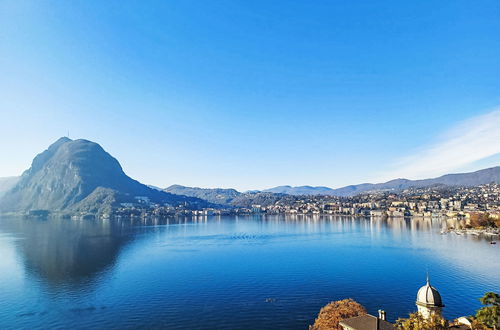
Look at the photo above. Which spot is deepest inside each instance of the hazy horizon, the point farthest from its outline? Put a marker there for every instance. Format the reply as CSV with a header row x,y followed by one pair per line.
x,y
255,95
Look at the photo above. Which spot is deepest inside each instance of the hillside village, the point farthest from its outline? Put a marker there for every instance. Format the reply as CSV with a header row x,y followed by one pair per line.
x,y
441,201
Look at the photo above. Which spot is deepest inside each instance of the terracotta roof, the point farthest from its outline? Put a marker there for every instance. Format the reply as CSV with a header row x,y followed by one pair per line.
x,y
366,322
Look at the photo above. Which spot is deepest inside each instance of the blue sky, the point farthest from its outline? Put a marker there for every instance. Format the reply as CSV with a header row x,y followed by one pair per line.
x,y
254,94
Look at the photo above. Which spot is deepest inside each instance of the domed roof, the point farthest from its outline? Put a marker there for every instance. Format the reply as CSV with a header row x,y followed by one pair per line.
x,y
428,296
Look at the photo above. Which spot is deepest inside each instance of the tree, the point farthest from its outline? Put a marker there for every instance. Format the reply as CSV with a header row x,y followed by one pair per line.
x,y
490,314
481,220
476,325
336,311
416,321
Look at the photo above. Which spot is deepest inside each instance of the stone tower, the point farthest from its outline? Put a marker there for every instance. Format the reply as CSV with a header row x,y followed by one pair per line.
x,y
429,300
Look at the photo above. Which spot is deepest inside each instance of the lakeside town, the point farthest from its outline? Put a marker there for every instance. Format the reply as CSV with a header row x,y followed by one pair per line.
x,y
462,203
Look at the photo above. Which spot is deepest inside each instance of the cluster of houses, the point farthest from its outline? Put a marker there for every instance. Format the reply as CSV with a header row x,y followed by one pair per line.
x,y
423,202
458,203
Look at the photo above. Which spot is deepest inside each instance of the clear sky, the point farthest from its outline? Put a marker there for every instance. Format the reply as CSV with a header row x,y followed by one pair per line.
x,y
254,94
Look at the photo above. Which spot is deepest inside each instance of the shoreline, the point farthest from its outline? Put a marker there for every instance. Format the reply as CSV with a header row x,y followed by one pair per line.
x,y
485,232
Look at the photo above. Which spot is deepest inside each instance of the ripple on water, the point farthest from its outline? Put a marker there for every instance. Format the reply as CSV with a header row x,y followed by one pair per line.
x,y
265,273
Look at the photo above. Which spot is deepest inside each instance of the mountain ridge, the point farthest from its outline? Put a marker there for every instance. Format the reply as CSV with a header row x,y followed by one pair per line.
x,y
221,196
228,196
483,176
78,176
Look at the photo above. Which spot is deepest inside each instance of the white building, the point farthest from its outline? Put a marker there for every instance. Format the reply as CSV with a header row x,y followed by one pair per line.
x,y
429,300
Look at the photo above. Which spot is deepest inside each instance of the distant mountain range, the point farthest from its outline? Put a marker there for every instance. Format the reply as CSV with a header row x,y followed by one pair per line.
x,y
489,175
233,197
78,176
300,190
213,195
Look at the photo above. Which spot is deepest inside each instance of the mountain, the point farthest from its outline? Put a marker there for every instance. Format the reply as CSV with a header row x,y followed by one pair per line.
x,y
301,190
7,183
489,175
484,176
229,197
78,176
249,199
213,195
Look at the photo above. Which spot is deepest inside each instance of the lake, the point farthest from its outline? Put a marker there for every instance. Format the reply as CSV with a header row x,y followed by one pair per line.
x,y
251,272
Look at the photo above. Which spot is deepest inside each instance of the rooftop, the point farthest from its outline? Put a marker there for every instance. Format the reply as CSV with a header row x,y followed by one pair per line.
x,y
428,296
365,322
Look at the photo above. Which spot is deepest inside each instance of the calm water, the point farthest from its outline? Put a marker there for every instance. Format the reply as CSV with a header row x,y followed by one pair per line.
x,y
230,273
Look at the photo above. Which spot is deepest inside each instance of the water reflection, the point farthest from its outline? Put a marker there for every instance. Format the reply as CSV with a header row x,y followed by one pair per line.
x,y
61,250
66,251
131,273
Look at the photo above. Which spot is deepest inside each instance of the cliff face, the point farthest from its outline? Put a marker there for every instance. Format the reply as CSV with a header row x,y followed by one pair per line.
x,y
74,174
